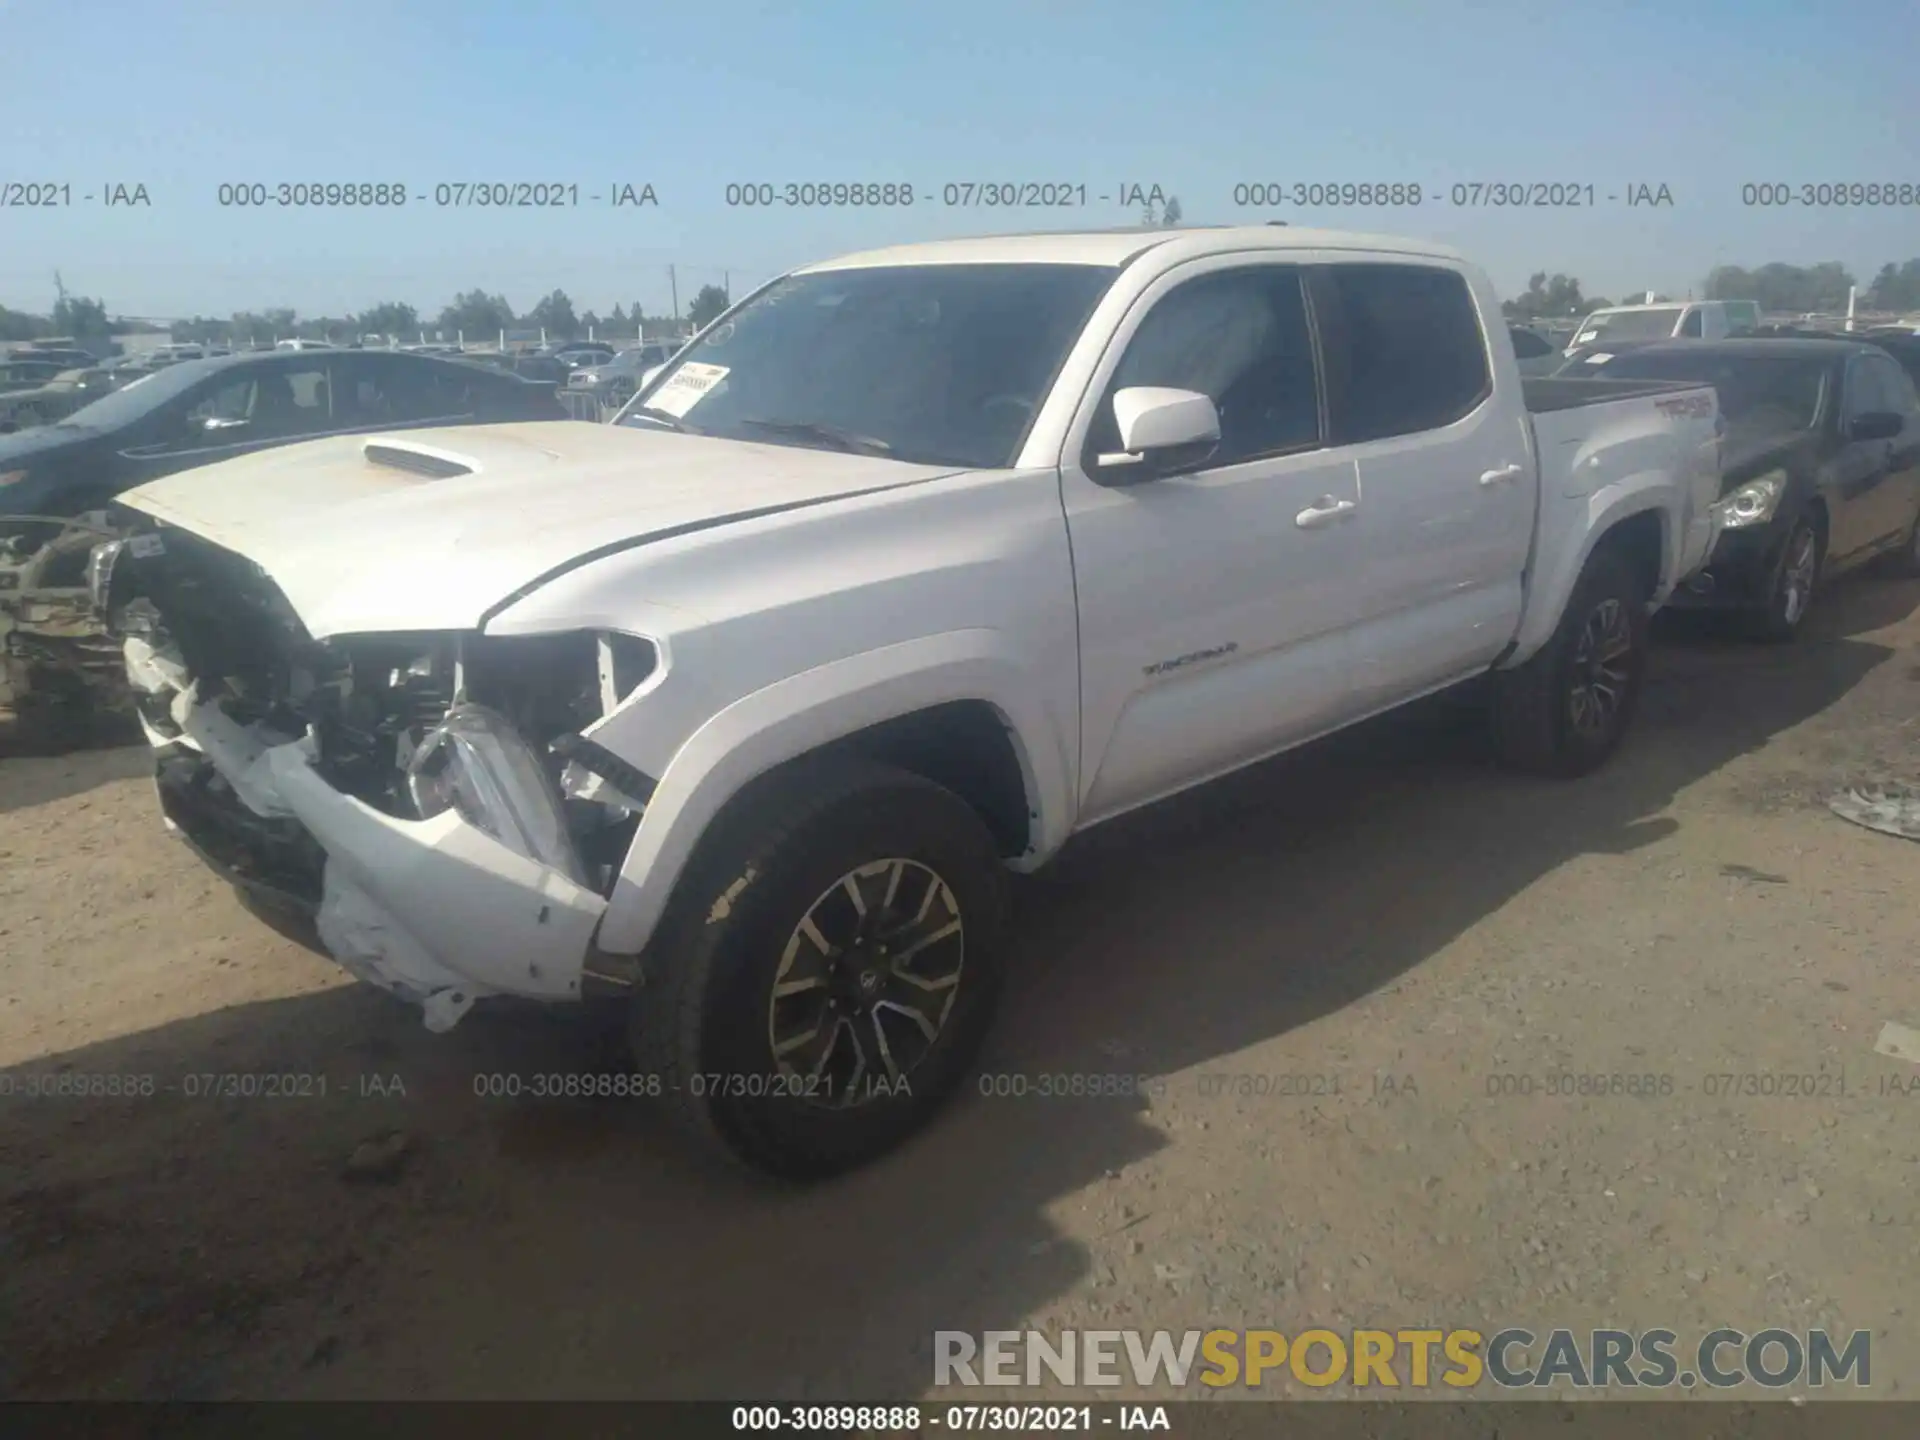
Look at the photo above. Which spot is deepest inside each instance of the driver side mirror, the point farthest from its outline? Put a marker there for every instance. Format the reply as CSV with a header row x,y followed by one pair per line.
x,y
1162,430
1875,425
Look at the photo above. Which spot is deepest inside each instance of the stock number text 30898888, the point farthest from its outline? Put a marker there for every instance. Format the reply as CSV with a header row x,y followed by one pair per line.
x,y
1375,194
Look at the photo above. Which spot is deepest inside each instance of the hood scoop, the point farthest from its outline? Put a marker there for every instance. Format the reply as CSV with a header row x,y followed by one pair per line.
x,y
416,459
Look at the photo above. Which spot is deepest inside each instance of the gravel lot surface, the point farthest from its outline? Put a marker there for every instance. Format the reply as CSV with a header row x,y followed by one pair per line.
x,y
1382,922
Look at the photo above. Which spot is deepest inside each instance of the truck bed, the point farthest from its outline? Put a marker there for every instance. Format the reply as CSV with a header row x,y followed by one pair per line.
x,y
1599,438
1567,392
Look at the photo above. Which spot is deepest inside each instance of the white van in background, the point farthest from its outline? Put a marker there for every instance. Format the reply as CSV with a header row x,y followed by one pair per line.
x,y
1689,320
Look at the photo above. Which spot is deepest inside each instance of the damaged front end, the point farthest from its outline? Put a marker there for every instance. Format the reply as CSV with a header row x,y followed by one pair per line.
x,y
428,799
61,675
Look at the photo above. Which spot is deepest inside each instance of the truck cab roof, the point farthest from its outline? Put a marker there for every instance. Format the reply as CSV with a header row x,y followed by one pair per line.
x,y
1121,247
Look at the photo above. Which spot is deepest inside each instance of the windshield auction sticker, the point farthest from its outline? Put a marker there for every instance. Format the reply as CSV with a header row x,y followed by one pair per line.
x,y
689,385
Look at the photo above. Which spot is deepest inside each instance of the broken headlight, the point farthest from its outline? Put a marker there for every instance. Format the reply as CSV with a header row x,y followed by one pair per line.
x,y
476,764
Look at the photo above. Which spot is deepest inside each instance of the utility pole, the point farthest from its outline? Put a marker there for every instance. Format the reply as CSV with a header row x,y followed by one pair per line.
x,y
674,283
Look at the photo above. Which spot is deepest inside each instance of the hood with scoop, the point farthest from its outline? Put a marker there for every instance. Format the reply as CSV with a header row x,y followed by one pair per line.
x,y
430,529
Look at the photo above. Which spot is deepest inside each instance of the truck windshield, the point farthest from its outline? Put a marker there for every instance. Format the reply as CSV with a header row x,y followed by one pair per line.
x,y
940,364
1630,325
1758,393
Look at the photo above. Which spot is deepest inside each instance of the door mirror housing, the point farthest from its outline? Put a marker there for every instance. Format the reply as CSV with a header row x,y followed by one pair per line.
x,y
1161,430
1876,425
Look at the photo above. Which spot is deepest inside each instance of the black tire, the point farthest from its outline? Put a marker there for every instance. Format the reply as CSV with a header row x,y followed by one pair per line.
x,y
1534,707
1790,590
703,1017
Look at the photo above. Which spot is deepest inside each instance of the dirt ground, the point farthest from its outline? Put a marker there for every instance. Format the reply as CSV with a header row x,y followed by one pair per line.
x,y
1383,915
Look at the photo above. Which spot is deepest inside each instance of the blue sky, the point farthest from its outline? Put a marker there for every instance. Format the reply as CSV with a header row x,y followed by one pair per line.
x,y
183,96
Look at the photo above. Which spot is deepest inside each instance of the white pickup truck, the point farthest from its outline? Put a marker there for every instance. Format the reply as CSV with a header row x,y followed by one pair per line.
x,y
910,567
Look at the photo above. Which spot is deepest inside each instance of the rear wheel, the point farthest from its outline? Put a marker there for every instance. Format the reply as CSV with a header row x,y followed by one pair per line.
x,y
1790,590
1565,711
830,970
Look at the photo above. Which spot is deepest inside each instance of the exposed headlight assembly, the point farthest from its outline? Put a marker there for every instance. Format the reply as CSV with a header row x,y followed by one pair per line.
x,y
1754,502
100,566
475,763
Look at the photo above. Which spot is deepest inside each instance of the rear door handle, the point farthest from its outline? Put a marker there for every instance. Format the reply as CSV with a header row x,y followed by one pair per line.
x,y
1324,511
1501,476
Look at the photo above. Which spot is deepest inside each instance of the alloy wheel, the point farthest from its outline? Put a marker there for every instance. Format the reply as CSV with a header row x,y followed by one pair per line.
x,y
1602,669
1797,573
867,980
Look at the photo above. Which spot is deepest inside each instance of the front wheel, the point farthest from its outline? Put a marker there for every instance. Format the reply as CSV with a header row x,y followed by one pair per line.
x,y
1564,712
1790,589
830,969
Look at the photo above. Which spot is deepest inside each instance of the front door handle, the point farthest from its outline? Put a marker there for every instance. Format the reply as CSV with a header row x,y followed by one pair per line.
x,y
1324,511
1501,476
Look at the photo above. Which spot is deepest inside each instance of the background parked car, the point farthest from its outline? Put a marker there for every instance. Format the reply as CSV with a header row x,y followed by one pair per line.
x,y
197,412
1692,320
612,381
27,374
92,381
582,354
67,357
59,397
547,369
1821,466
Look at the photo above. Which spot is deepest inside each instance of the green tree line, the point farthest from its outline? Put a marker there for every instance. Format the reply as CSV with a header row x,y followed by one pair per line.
x,y
476,314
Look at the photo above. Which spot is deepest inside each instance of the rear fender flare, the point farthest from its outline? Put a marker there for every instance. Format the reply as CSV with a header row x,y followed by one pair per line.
x,y
1557,572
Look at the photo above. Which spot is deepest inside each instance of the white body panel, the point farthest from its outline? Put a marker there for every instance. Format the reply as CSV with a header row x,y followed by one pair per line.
x,y
1134,640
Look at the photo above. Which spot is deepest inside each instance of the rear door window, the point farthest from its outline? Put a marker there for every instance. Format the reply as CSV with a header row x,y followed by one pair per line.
x,y
1403,349
405,390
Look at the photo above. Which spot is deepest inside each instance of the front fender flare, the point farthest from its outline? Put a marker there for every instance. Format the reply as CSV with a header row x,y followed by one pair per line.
x,y
800,714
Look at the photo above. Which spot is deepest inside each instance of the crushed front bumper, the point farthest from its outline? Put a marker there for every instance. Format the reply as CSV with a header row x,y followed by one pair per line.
x,y
435,911
1738,574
